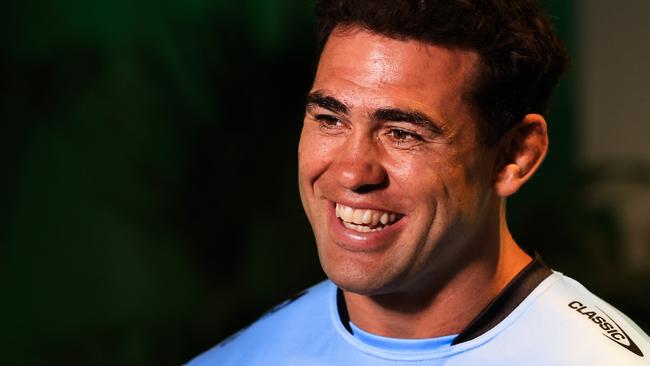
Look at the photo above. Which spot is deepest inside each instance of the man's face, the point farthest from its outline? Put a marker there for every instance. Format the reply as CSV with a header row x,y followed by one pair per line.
x,y
393,175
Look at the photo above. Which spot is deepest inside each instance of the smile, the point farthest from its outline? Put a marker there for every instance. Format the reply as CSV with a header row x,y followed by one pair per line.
x,y
365,220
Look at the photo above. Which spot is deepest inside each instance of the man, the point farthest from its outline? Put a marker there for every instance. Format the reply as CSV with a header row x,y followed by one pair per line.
x,y
422,118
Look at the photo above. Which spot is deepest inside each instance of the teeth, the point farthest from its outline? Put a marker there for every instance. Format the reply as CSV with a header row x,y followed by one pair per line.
x,y
384,219
375,218
348,213
367,217
361,228
357,216
364,220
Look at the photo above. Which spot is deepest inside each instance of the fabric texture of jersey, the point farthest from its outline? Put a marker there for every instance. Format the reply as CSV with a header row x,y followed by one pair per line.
x,y
558,323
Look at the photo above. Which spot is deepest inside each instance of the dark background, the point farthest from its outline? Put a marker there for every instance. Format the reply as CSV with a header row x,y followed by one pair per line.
x,y
149,198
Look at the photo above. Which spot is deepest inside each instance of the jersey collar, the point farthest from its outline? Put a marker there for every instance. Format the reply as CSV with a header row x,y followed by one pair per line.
x,y
497,310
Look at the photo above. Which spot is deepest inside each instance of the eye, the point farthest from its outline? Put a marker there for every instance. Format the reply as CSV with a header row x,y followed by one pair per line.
x,y
328,121
403,136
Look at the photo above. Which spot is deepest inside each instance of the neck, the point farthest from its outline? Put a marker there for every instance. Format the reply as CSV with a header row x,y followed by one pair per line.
x,y
444,308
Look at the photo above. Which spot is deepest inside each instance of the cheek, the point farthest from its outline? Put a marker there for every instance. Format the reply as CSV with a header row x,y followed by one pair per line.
x,y
423,178
305,167
315,154
313,161
441,189
467,186
308,155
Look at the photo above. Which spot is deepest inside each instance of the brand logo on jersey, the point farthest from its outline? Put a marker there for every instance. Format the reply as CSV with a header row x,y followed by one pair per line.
x,y
611,330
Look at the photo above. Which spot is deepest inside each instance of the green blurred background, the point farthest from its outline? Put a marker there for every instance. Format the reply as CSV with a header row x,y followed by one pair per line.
x,y
149,197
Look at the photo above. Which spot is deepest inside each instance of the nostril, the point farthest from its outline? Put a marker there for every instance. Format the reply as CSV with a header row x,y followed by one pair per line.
x,y
367,188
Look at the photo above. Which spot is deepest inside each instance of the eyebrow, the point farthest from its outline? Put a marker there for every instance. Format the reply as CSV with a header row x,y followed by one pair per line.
x,y
400,115
327,102
320,99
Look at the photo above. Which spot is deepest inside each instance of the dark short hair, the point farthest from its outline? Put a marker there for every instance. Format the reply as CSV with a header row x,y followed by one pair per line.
x,y
522,57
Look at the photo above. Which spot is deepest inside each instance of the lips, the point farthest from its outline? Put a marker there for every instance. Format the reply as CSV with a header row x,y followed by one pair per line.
x,y
365,220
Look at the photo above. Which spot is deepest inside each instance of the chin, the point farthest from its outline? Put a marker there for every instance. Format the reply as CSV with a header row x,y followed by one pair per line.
x,y
360,287
355,278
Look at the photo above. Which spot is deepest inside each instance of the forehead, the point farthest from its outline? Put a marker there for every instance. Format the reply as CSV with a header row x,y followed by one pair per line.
x,y
358,60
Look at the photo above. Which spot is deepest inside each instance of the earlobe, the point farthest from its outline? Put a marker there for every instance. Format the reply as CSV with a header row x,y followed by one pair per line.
x,y
523,150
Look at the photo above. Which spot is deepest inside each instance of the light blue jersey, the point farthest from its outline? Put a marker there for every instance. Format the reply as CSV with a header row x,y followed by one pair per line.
x,y
557,322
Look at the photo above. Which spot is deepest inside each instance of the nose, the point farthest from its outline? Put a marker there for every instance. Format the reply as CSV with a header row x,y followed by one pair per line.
x,y
359,166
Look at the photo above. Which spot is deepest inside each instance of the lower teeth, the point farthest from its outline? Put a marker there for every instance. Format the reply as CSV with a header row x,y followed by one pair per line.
x,y
362,228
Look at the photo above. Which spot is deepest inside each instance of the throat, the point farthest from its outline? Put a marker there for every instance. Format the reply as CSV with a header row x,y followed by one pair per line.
x,y
403,317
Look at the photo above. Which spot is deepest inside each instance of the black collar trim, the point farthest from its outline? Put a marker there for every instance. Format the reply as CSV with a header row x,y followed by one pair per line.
x,y
498,309
507,300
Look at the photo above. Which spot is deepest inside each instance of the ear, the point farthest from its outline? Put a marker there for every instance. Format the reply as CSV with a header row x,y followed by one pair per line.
x,y
522,150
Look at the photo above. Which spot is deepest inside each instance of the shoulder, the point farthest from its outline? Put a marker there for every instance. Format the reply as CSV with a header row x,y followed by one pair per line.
x,y
567,324
281,329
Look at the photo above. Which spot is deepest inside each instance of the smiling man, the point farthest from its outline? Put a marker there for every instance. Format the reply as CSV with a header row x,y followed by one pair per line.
x,y
401,191
424,116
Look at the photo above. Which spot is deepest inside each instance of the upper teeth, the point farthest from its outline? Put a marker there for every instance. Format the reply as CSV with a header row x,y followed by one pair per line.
x,y
364,216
